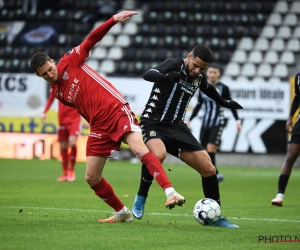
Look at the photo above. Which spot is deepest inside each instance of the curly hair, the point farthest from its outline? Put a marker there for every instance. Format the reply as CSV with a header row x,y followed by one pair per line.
x,y
203,52
38,60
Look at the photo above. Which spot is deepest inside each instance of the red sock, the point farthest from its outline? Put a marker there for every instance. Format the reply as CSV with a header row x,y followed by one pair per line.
x,y
64,160
156,170
72,157
105,191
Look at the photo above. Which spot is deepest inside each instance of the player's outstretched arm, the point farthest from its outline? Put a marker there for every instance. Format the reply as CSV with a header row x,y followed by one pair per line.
x,y
97,34
211,92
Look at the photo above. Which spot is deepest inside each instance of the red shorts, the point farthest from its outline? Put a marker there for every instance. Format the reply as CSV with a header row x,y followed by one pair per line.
x,y
66,130
105,139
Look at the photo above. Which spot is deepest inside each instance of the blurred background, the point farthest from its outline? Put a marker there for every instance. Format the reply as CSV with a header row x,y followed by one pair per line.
x,y
255,42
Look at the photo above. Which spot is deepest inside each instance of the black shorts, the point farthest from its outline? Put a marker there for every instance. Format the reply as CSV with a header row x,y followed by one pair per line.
x,y
175,136
295,137
211,135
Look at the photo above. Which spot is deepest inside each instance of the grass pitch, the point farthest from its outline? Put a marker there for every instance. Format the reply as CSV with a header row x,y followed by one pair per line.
x,y
36,212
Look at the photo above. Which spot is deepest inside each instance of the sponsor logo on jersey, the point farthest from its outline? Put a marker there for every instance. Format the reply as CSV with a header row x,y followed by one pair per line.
x,y
65,75
149,110
93,134
146,115
156,90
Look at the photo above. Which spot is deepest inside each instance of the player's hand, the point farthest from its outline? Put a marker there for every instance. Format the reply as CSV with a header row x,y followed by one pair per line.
x,y
231,104
124,16
43,117
173,76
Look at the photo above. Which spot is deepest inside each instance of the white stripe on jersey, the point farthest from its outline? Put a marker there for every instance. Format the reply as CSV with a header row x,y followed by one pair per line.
x,y
131,118
104,84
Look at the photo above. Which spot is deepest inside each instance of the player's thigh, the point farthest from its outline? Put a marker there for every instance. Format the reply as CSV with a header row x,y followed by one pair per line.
x,y
157,147
73,140
136,143
211,147
94,168
200,161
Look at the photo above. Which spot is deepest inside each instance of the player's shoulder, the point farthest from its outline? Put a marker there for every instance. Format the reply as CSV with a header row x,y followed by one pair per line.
x,y
174,61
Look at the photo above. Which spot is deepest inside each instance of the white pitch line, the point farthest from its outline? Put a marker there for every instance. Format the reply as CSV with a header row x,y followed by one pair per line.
x,y
158,214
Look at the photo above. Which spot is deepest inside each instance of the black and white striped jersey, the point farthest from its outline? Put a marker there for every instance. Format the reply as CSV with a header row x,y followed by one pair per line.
x,y
213,112
168,101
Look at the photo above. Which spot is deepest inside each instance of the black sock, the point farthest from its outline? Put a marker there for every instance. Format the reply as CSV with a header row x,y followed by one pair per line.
x,y
210,187
146,181
212,156
282,183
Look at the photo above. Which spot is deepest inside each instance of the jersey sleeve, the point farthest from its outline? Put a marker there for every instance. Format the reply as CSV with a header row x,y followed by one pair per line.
x,y
168,65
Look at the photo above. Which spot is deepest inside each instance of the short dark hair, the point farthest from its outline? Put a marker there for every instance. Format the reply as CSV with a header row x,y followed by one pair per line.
x,y
38,60
214,66
203,52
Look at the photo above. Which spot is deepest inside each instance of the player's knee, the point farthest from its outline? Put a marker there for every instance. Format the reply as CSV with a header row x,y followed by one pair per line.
x,y
161,156
139,150
91,179
207,172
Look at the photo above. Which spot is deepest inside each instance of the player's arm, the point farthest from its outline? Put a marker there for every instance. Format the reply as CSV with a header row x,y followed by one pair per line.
x,y
212,93
47,107
294,106
166,71
226,95
97,34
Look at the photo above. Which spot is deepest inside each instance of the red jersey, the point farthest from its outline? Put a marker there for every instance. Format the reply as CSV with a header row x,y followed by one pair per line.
x,y
81,87
66,114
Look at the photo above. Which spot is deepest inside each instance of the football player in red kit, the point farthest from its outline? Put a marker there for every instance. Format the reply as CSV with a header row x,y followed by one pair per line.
x,y
69,127
111,120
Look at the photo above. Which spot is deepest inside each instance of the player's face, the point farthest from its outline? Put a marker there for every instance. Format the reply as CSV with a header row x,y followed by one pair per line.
x,y
194,65
212,75
48,71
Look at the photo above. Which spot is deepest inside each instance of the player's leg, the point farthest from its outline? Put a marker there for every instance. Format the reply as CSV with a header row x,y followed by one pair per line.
x,y
72,157
293,152
63,139
200,161
73,133
93,176
157,148
214,137
137,146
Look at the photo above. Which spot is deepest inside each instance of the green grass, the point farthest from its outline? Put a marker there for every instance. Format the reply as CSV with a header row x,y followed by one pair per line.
x,y
36,212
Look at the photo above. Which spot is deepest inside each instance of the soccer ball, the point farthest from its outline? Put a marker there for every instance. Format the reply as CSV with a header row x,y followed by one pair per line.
x,y
207,211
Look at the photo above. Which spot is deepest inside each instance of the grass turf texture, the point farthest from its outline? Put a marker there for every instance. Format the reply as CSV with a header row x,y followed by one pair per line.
x,y
36,212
